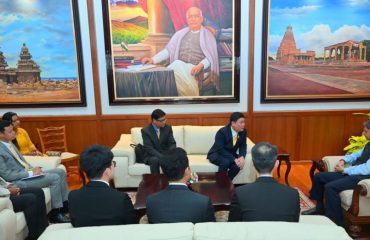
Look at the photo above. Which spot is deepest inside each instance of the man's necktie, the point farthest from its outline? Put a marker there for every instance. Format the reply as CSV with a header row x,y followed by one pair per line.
x,y
17,157
235,139
158,133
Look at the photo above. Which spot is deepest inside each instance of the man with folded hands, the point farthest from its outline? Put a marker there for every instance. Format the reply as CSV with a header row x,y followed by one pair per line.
x,y
177,203
96,204
265,199
15,169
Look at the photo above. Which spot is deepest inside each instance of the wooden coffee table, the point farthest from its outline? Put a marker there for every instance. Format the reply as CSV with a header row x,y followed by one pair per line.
x,y
217,186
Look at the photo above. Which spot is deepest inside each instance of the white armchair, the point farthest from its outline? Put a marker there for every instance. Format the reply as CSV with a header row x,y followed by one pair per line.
x,y
13,225
355,203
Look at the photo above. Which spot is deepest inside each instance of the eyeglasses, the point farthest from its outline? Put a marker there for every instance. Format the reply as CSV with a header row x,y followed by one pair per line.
x,y
161,120
114,163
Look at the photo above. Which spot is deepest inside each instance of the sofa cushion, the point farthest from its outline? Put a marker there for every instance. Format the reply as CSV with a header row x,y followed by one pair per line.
x,y
21,221
168,231
200,163
346,198
177,134
138,169
199,139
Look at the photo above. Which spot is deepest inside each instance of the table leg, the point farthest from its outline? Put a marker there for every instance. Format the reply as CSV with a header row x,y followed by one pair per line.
x,y
278,168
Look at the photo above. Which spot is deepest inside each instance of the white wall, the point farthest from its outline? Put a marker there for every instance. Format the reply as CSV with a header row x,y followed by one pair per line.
x,y
90,109
286,106
174,108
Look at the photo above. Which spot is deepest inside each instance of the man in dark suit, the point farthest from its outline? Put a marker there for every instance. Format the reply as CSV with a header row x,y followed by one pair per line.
x,y
348,172
157,138
30,201
230,147
177,203
265,199
96,204
15,169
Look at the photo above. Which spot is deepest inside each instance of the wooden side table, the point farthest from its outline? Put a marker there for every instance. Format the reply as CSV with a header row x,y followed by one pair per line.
x,y
284,156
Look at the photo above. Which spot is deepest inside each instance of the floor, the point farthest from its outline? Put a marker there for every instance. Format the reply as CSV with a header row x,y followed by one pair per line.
x,y
298,177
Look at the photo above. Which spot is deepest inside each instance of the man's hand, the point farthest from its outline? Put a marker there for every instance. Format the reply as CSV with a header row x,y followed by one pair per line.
x,y
37,171
196,69
340,166
147,60
240,162
14,190
34,152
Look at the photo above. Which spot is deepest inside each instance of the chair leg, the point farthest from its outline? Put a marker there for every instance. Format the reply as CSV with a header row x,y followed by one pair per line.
x,y
354,230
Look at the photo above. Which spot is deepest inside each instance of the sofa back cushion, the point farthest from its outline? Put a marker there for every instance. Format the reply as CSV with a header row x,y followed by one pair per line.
x,y
199,139
177,134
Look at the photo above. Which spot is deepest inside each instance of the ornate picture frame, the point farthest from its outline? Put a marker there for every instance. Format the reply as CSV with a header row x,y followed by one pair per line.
x,y
310,56
41,62
139,30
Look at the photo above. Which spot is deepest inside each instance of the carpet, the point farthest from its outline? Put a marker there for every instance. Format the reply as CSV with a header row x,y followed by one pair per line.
x,y
222,216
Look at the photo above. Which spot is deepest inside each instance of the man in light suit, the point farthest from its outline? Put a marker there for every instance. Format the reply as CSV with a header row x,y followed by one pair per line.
x,y
30,201
157,138
265,199
96,204
177,203
230,147
14,168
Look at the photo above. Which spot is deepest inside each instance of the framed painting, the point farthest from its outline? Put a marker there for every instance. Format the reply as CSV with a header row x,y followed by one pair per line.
x,y
41,62
315,51
170,51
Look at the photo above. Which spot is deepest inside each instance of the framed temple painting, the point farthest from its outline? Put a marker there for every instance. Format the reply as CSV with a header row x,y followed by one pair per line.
x,y
315,51
170,51
40,54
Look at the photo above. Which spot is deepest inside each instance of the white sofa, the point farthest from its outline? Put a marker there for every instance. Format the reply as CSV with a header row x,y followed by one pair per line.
x,y
196,140
13,225
309,228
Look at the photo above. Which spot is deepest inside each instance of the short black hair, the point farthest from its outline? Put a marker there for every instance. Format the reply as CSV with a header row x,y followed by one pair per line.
x,y
8,116
174,163
4,124
367,124
264,156
157,114
235,116
94,160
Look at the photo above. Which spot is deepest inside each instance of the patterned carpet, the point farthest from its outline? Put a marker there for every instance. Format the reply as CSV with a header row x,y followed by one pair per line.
x,y
222,216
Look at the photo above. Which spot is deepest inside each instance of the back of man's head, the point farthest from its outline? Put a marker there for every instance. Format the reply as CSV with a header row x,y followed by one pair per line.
x,y
157,114
264,156
174,164
4,124
94,160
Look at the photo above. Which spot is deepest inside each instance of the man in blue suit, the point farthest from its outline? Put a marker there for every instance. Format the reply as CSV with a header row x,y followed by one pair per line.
x,y
230,147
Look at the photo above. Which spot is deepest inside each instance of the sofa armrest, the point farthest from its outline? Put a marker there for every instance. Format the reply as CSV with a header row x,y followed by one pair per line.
x,y
250,144
123,149
46,163
365,184
8,221
331,161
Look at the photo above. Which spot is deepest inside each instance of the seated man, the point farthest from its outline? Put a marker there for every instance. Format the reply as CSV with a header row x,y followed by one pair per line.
x,y
30,201
14,168
157,138
96,204
230,147
328,185
177,203
265,199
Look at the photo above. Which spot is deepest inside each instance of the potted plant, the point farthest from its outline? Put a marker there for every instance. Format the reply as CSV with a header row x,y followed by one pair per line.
x,y
356,142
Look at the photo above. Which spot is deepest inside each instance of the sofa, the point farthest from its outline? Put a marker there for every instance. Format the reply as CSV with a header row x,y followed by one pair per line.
x,y
196,140
13,225
355,203
309,228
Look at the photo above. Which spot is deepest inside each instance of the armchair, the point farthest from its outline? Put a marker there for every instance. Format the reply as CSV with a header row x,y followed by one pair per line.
x,y
355,203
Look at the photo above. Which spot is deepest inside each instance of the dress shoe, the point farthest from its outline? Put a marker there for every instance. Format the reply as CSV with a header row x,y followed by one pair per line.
x,y
59,218
313,211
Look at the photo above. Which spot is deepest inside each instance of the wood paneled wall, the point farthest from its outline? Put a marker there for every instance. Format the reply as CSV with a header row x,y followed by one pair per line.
x,y
305,135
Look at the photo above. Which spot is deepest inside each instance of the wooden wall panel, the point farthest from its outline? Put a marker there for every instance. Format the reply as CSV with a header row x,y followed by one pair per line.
x,y
279,130
322,135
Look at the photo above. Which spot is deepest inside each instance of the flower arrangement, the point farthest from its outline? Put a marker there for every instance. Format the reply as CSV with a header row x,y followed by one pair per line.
x,y
356,142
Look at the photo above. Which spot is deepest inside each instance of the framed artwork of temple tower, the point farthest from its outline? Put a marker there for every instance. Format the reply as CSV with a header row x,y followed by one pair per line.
x,y
170,51
40,54
310,55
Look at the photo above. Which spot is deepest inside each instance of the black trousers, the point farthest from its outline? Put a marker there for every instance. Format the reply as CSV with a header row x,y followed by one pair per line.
x,y
154,163
225,164
32,202
328,185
